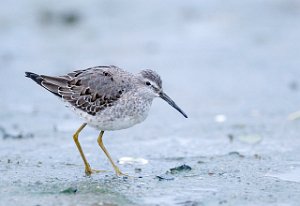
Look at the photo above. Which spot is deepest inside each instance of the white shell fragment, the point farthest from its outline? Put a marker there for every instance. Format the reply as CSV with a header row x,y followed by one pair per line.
x,y
132,160
220,118
250,139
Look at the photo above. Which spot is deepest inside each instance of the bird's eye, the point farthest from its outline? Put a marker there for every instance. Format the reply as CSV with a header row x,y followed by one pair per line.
x,y
148,83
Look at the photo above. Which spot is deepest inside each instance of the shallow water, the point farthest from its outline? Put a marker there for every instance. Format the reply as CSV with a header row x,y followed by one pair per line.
x,y
232,66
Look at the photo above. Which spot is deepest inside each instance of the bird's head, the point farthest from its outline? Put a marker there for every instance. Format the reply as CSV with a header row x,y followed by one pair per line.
x,y
151,84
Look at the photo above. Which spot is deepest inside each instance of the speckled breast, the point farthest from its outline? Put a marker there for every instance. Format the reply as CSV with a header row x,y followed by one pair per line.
x,y
125,113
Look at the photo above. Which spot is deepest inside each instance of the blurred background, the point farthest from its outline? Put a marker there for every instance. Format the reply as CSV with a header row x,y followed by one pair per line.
x,y
232,66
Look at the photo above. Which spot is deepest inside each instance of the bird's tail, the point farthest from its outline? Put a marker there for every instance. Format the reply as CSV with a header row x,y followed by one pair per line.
x,y
45,81
35,77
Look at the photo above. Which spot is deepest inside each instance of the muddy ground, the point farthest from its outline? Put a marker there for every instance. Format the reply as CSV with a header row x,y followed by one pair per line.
x,y
233,66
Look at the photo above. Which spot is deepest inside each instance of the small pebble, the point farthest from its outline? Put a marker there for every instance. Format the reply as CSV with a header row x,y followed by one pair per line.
x,y
236,154
182,168
137,170
70,190
210,173
164,177
230,137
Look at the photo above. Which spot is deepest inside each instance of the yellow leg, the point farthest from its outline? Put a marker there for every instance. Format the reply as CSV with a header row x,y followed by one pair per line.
x,y
100,142
88,169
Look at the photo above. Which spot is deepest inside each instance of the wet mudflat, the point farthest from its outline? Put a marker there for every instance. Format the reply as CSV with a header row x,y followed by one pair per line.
x,y
232,66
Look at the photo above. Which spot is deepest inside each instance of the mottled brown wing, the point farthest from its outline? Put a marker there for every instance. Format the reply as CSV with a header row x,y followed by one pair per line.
x,y
90,90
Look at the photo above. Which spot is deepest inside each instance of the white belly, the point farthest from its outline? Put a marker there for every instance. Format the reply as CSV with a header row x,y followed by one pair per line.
x,y
109,120
117,124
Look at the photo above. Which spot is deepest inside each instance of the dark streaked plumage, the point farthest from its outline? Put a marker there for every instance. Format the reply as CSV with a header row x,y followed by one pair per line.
x,y
90,90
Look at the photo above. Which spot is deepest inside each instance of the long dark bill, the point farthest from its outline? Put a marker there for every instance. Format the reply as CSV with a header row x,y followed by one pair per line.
x,y
172,103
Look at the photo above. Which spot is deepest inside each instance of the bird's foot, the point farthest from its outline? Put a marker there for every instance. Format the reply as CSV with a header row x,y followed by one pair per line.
x,y
89,171
120,174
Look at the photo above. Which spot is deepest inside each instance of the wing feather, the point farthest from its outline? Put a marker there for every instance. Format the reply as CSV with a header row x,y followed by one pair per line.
x,y
90,90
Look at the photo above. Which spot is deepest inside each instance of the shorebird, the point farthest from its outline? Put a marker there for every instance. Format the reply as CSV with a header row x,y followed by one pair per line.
x,y
107,98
